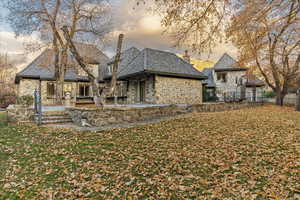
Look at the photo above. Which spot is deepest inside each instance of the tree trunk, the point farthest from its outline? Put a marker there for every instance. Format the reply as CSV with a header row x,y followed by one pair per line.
x,y
279,98
62,70
58,94
297,106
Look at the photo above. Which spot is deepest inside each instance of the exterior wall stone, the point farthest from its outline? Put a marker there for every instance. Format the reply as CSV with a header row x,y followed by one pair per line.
x,y
20,114
27,87
177,90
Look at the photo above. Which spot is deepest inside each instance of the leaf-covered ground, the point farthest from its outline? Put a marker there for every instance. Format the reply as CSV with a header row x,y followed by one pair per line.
x,y
245,154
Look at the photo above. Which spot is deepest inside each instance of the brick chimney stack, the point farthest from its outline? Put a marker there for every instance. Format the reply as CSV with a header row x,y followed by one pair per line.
x,y
187,57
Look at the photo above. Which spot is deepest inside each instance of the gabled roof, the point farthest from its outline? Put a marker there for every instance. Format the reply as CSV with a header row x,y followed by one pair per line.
x,y
210,78
153,61
43,66
227,63
126,57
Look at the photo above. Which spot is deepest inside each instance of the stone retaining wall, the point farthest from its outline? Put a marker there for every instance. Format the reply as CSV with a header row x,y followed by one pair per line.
x,y
219,107
126,114
116,115
19,114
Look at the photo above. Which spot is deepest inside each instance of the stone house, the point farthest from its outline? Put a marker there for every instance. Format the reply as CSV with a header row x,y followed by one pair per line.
x,y
227,77
40,74
158,77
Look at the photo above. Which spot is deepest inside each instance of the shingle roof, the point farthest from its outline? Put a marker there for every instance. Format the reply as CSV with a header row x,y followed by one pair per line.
x,y
160,62
126,57
43,67
210,78
255,83
227,63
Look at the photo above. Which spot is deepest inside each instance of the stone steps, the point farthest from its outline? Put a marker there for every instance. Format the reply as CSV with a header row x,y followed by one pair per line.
x,y
54,117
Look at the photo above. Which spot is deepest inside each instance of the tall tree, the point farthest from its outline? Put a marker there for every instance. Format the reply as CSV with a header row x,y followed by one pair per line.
x,y
265,31
267,34
194,24
88,19
99,93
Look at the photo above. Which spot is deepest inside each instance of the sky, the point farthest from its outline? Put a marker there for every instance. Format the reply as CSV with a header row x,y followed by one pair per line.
x,y
141,27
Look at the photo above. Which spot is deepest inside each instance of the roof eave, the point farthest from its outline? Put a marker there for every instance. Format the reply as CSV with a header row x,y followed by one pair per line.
x,y
230,69
200,77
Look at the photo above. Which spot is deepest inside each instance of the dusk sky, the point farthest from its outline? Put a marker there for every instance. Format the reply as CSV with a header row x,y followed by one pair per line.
x,y
141,27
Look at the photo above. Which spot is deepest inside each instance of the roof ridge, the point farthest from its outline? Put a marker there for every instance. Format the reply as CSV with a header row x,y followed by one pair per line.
x,y
173,54
223,57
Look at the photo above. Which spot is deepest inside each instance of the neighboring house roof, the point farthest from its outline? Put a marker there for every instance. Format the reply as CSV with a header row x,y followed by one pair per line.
x,y
252,80
126,57
43,66
255,83
227,63
151,61
209,82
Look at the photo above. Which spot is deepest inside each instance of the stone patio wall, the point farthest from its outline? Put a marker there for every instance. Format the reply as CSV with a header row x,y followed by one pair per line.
x,y
116,115
127,114
20,114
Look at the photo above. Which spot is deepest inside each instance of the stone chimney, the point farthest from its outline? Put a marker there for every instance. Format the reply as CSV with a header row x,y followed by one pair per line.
x,y
187,57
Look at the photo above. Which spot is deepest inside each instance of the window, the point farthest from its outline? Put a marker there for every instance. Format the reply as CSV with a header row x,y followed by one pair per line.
x,y
222,77
84,90
50,90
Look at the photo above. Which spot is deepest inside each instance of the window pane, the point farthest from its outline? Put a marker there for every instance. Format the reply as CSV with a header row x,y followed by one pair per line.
x,y
87,91
81,90
50,89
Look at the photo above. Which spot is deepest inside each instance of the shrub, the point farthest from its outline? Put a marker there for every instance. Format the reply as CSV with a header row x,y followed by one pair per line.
x,y
268,94
6,100
26,100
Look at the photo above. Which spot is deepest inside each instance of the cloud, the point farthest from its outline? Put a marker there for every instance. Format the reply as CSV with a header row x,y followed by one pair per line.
x,y
142,28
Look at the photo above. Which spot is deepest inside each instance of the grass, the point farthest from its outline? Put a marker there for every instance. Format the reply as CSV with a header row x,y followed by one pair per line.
x,y
2,118
245,154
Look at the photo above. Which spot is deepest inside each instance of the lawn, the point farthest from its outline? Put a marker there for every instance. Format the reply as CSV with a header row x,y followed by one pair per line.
x,y
245,154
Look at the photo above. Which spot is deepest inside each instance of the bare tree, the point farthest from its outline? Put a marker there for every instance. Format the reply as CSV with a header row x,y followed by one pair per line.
x,y
267,35
7,92
87,19
265,31
99,93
